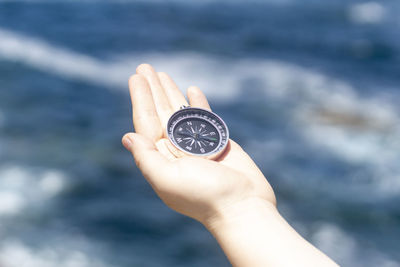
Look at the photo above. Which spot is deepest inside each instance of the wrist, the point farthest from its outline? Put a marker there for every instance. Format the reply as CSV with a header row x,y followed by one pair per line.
x,y
239,213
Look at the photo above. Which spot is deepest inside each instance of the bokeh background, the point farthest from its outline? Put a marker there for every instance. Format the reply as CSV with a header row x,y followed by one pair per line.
x,y
309,88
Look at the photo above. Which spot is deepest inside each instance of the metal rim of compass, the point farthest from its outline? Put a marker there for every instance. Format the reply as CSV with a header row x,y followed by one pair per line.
x,y
214,154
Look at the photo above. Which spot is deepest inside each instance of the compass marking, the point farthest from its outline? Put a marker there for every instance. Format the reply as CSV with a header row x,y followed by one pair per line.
x,y
198,133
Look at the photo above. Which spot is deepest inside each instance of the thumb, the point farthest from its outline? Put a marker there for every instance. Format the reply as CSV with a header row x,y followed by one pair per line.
x,y
154,166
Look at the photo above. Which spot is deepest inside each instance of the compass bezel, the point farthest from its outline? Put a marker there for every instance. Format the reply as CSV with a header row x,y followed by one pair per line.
x,y
223,140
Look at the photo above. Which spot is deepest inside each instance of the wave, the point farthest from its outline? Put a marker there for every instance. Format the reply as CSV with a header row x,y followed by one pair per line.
x,y
325,112
49,58
328,112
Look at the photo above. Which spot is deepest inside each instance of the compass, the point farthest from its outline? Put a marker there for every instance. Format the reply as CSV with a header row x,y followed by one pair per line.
x,y
198,132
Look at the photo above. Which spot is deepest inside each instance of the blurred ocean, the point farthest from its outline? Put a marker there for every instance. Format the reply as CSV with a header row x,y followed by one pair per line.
x,y
309,88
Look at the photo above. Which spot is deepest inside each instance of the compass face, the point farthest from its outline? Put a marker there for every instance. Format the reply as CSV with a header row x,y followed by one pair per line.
x,y
197,131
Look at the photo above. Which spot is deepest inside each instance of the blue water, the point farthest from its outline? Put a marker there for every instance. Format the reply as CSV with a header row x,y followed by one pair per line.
x,y
309,88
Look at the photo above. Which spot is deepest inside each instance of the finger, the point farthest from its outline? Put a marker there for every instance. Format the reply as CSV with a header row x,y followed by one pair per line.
x,y
155,167
160,99
145,117
197,98
175,97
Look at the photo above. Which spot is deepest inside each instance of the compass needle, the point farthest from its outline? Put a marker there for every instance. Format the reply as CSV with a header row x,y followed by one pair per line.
x,y
185,134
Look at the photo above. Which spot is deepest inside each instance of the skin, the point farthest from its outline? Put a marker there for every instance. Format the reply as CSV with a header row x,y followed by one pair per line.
x,y
230,196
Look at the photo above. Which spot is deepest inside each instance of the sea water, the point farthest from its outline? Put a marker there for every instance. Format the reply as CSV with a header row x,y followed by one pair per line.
x,y
310,89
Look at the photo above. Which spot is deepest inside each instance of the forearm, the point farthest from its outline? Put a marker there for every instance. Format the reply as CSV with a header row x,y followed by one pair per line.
x,y
253,233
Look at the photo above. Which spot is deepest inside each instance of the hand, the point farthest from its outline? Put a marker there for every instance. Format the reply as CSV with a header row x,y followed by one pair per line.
x,y
229,195
199,188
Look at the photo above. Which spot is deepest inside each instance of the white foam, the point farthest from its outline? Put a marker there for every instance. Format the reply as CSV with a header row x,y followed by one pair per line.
x,y
368,12
14,253
22,187
52,182
46,57
10,203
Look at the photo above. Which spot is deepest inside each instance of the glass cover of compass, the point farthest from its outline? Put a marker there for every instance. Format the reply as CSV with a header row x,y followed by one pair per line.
x,y
198,132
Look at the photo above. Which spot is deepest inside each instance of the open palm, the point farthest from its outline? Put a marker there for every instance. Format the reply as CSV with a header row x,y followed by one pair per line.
x,y
197,187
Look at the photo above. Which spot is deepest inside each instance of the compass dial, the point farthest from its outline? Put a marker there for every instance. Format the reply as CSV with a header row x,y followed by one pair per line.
x,y
197,132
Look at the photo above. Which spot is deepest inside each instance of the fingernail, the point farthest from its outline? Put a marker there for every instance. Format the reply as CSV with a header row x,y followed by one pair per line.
x,y
127,142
